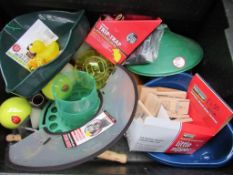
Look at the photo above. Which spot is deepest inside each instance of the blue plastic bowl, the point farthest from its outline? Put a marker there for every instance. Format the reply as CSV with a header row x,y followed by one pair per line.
x,y
216,153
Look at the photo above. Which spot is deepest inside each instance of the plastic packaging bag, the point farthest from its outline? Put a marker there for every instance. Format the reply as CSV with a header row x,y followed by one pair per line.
x,y
147,52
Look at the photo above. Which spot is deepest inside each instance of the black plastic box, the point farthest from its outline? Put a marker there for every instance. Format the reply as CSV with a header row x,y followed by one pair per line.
x,y
210,22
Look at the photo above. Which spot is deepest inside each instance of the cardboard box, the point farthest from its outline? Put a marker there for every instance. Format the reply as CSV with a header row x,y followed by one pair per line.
x,y
116,39
160,134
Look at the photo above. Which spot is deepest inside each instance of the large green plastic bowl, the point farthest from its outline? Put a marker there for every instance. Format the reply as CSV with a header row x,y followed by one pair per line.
x,y
71,29
177,54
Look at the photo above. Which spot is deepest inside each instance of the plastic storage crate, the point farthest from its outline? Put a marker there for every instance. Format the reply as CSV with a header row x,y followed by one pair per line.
x,y
209,22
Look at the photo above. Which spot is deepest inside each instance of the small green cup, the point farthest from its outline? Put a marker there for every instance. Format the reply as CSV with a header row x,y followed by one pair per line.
x,y
76,98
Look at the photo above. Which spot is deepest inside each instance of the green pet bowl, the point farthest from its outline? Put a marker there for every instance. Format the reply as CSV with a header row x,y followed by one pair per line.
x,y
176,54
71,28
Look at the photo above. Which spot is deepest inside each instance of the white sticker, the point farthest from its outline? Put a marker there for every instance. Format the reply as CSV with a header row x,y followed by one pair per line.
x,y
93,128
179,62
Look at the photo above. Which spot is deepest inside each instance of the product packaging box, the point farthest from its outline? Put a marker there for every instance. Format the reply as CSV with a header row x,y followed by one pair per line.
x,y
208,114
116,39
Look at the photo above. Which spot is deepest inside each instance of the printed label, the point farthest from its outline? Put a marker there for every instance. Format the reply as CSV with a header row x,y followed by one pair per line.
x,y
131,38
179,62
104,30
89,131
207,106
38,31
187,143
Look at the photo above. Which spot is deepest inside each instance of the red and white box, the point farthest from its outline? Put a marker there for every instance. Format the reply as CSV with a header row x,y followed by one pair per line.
x,y
160,134
117,39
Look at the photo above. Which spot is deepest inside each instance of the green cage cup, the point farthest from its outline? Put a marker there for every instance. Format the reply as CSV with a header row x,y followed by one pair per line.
x,y
99,68
76,98
92,62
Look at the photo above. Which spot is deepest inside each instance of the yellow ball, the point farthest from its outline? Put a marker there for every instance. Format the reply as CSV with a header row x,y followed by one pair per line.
x,y
14,111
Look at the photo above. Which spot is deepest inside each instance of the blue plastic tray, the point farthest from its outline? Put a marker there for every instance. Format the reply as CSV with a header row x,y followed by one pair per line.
x,y
216,153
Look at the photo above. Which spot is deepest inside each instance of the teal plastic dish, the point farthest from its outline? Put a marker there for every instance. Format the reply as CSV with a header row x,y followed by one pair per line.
x,y
71,28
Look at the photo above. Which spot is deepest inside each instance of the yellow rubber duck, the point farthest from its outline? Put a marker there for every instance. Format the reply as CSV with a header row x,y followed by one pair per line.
x,y
43,54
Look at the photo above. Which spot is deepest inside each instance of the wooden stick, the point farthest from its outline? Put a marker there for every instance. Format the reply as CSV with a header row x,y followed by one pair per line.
x,y
184,119
152,103
113,156
142,111
175,115
160,91
13,138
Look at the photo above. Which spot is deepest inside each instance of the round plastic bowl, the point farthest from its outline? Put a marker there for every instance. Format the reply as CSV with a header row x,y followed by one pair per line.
x,y
184,54
71,28
217,152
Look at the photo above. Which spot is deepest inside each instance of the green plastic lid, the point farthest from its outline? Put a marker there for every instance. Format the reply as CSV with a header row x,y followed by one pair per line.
x,y
176,54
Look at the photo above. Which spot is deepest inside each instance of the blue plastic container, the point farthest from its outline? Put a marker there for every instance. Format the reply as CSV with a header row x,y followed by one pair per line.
x,y
216,153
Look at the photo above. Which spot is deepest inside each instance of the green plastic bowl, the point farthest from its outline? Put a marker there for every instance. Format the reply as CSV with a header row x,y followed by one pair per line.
x,y
71,28
176,54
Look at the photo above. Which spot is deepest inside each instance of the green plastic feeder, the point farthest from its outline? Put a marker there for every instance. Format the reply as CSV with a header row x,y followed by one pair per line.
x,y
176,54
76,98
71,28
97,66
76,102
